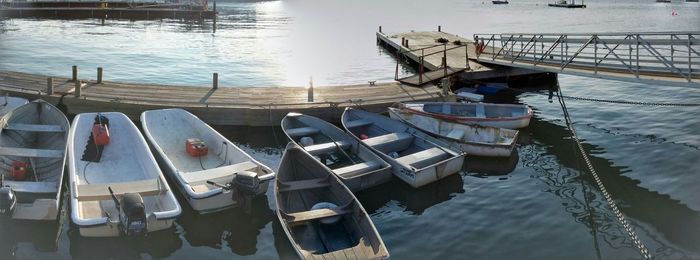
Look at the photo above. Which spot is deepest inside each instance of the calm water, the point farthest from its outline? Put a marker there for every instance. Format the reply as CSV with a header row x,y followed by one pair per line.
x,y
538,204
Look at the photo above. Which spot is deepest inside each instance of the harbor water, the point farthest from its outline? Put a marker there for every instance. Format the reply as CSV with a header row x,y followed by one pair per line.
x,y
540,203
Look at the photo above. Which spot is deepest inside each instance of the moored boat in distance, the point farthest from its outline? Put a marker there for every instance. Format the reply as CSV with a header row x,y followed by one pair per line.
x,y
565,4
664,1
213,176
356,165
511,116
8,103
33,140
472,139
499,2
320,216
415,157
115,183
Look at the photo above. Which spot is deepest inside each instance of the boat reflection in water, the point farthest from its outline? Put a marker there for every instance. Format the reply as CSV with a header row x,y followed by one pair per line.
x,y
414,200
234,227
28,239
158,244
477,166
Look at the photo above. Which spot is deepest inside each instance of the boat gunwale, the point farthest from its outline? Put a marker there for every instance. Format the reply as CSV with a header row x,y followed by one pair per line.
x,y
528,115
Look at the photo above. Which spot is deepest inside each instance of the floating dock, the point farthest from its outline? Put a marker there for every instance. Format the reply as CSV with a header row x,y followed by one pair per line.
x,y
105,10
431,50
238,106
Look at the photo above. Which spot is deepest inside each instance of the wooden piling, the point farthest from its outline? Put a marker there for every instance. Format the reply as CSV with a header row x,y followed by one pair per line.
x,y
403,41
214,20
49,86
310,93
380,28
77,88
439,28
215,81
99,75
75,73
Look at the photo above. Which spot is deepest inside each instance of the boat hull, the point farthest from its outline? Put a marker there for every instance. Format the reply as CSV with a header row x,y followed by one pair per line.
x,y
520,120
111,229
437,128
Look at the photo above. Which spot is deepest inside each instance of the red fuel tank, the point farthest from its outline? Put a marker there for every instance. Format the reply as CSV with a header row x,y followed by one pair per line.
x,y
18,170
100,134
196,147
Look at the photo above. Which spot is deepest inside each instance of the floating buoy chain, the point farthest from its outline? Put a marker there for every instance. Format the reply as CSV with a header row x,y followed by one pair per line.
x,y
608,198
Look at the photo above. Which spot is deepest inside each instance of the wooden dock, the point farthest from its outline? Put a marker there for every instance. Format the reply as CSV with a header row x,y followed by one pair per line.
x,y
240,106
423,49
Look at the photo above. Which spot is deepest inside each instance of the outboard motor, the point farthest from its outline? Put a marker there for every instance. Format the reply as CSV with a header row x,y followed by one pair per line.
x,y
132,214
8,201
245,186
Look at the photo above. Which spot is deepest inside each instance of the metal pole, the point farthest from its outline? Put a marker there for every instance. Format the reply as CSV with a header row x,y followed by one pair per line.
x,y
690,69
396,74
595,54
637,55
420,71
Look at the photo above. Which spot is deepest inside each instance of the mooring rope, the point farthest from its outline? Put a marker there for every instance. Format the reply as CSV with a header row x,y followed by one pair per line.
x,y
620,216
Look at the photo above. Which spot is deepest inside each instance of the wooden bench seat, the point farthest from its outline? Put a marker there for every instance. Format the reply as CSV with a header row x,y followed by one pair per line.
x,y
390,142
424,158
304,184
302,131
304,216
27,152
323,148
93,192
216,173
34,128
357,123
355,169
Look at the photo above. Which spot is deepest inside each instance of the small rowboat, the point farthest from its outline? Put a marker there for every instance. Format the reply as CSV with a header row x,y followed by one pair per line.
x,y
356,165
474,140
116,185
511,116
33,141
415,157
320,215
498,2
224,177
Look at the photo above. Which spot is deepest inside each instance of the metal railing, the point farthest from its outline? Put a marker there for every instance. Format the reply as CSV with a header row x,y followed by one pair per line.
x,y
671,57
421,58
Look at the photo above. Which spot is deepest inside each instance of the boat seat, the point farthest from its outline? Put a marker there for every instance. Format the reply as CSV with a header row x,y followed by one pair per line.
x,y
390,142
302,131
357,123
216,173
27,152
356,169
326,147
480,111
34,128
285,186
93,192
424,158
304,216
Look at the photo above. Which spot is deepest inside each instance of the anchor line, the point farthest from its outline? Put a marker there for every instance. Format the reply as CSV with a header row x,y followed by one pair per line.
x,y
611,203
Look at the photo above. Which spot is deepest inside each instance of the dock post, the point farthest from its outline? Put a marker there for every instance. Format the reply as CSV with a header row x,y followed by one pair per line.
x,y
99,75
77,88
380,28
439,28
75,73
445,83
214,25
215,81
49,86
311,90
406,44
403,41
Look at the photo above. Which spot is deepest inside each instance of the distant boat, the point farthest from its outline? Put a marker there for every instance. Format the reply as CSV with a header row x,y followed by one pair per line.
x,y
472,139
355,164
223,177
320,216
499,2
565,4
415,157
33,141
511,116
115,183
691,1
666,1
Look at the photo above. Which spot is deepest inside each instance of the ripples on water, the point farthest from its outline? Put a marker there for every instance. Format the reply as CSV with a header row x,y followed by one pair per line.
x,y
538,204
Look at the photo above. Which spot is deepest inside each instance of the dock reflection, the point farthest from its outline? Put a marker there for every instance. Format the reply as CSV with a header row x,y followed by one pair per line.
x,y
561,168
